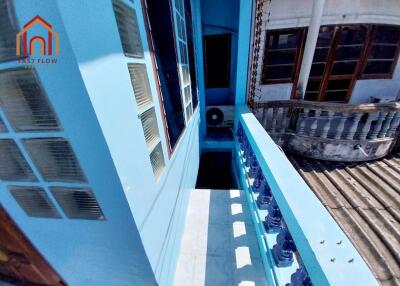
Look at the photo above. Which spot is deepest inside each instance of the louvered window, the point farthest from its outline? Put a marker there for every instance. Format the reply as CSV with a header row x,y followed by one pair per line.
x,y
8,31
78,203
13,166
34,201
3,128
55,159
140,83
150,127
157,160
24,101
128,29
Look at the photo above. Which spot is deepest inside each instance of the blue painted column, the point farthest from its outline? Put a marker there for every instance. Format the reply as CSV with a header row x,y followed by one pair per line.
x,y
245,16
198,42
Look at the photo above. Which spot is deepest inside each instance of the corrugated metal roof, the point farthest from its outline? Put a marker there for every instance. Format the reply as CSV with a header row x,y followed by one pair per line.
x,y
364,199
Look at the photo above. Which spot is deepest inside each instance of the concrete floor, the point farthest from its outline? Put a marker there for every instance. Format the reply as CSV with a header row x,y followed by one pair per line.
x,y
219,245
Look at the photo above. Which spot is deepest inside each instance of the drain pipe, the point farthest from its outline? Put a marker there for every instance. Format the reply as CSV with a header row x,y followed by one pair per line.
x,y
311,43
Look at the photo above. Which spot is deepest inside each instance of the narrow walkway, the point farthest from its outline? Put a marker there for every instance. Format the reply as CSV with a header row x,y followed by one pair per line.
x,y
219,245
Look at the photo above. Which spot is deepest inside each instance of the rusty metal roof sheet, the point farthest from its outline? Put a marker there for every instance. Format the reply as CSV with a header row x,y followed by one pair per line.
x,y
364,199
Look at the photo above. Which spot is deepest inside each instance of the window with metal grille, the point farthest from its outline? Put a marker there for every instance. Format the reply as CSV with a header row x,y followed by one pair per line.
x,y
157,160
128,29
55,159
13,166
150,127
162,31
383,52
9,29
140,84
24,101
34,201
78,203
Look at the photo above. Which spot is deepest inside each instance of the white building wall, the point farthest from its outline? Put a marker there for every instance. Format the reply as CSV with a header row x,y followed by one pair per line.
x,y
294,13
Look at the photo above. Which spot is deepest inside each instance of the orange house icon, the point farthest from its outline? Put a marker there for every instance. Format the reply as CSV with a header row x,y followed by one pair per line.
x,y
43,51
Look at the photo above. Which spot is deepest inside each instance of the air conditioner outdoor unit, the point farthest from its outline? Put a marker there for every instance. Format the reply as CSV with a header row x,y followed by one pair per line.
x,y
221,116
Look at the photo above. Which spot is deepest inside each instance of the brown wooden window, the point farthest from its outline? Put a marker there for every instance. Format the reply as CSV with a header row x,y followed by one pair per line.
x,y
382,52
281,55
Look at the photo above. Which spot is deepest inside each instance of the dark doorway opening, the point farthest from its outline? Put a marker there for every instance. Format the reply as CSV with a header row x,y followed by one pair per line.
x,y
215,171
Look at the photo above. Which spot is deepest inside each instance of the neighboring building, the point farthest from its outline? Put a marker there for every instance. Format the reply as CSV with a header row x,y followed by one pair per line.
x,y
134,146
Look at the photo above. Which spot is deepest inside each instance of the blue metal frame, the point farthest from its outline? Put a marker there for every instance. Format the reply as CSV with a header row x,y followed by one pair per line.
x,y
326,252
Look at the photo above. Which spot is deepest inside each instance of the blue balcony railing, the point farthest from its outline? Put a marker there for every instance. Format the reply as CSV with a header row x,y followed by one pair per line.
x,y
301,244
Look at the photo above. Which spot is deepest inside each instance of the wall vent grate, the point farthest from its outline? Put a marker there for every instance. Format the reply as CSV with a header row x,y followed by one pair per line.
x,y
55,159
9,29
140,84
34,201
24,101
150,127
157,160
128,29
13,166
78,203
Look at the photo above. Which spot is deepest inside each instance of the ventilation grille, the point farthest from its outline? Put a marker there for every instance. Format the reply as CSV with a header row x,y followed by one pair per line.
x,y
55,159
78,203
13,166
150,127
24,102
3,128
157,160
34,201
140,83
128,29
8,28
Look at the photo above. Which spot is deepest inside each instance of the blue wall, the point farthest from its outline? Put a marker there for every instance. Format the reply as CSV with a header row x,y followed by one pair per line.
x,y
91,91
158,206
83,252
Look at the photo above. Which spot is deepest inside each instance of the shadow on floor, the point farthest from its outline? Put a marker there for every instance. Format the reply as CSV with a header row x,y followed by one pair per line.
x,y
219,245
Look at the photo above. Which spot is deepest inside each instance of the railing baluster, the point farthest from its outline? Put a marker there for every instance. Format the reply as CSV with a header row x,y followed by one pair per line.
x,y
284,119
314,125
354,126
386,125
302,121
265,117
395,124
367,126
274,119
327,125
378,125
340,128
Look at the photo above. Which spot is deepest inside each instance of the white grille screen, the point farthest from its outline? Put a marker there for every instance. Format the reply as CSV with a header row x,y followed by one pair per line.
x,y
140,83
55,159
128,29
8,31
157,160
34,201
78,203
13,166
150,127
24,101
